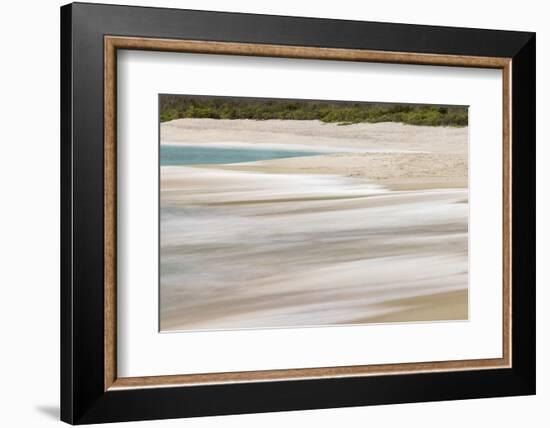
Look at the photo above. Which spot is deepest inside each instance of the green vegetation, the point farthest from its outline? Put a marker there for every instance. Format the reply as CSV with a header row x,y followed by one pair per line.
x,y
342,113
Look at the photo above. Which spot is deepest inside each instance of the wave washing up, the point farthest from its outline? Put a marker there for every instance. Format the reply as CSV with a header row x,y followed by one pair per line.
x,y
286,213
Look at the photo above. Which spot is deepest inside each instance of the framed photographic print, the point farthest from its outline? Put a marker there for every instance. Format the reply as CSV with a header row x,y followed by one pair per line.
x,y
265,213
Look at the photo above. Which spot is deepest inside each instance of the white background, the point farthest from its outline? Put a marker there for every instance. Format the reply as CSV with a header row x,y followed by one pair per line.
x,y
29,226
144,352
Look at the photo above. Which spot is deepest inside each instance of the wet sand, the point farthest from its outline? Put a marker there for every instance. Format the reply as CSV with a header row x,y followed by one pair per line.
x,y
399,171
346,237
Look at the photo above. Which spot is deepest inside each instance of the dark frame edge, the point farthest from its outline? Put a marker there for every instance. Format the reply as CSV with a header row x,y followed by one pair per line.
x,y
524,216
66,131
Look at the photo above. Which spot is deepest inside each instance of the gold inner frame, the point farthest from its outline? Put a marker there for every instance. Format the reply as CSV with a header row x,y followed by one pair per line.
x,y
113,43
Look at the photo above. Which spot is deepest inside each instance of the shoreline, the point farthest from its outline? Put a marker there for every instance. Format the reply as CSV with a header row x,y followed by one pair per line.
x,y
373,230
398,156
408,171
282,146
313,133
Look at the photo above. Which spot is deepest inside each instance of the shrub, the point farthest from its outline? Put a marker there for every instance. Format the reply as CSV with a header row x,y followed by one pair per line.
x,y
182,106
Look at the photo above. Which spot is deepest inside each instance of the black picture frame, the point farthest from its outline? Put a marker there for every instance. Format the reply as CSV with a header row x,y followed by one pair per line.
x,y
83,396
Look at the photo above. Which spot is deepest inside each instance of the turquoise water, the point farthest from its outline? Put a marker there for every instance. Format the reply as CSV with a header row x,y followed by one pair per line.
x,y
194,155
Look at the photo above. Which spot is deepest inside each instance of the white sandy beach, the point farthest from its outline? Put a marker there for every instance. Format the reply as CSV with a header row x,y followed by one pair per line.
x,y
373,229
381,137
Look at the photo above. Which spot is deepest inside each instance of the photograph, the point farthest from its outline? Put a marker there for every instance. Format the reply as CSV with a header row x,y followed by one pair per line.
x,y
260,213
287,213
